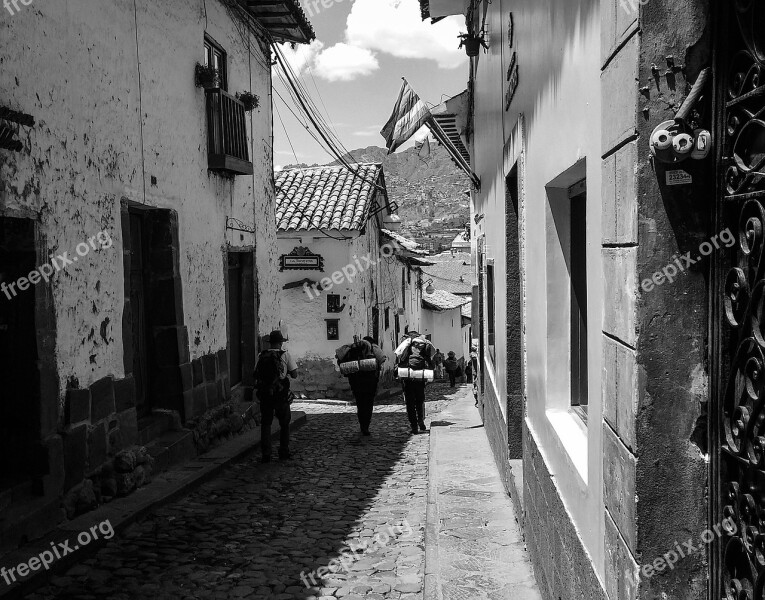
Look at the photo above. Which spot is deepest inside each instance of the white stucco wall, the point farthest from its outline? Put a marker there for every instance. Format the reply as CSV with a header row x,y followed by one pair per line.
x,y
102,133
445,329
558,100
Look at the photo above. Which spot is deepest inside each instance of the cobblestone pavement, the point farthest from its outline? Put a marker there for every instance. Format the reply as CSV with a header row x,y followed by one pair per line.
x,y
253,531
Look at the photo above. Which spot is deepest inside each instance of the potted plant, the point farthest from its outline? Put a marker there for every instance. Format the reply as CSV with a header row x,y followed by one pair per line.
x,y
250,100
206,76
472,43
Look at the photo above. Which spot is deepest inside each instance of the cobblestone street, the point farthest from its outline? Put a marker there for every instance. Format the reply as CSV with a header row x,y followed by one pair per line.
x,y
253,531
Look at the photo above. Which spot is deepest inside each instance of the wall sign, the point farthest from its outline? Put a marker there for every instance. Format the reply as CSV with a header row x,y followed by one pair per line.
x,y
301,259
679,177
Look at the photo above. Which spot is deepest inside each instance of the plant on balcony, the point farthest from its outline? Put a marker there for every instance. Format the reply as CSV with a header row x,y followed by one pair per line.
x,y
250,100
206,76
472,43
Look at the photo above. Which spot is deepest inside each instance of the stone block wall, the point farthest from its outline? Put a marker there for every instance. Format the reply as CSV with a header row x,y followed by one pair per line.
x,y
320,378
562,566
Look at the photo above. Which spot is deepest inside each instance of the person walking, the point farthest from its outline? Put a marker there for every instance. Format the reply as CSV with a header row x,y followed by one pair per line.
x,y
438,361
364,381
452,366
474,372
272,388
417,355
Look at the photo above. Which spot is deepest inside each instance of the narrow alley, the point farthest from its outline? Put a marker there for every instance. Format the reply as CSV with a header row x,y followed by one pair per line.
x,y
263,531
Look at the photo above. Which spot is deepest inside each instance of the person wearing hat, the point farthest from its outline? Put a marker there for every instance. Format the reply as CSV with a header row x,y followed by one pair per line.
x,y
272,385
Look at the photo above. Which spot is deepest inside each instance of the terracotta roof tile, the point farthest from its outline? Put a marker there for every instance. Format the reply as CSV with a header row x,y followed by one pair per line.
x,y
441,300
325,197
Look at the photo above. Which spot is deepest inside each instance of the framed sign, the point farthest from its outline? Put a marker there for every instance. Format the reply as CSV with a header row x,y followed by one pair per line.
x,y
301,259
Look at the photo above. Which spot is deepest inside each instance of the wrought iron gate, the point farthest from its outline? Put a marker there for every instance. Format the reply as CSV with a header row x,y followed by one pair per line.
x,y
737,435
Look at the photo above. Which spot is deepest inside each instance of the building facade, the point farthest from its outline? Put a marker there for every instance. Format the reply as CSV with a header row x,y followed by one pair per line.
x,y
139,272
343,272
611,377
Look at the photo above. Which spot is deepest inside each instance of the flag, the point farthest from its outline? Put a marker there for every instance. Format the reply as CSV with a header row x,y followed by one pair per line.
x,y
409,114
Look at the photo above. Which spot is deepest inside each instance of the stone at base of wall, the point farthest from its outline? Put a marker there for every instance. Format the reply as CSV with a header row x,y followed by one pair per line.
x,y
561,564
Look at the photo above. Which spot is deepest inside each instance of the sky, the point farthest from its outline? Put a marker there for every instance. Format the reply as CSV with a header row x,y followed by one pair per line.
x,y
353,71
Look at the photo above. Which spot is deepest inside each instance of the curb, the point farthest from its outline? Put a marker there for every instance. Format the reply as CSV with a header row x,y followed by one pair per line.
x,y
432,587
165,488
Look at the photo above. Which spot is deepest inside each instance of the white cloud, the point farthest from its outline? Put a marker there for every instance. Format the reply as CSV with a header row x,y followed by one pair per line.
x,y
302,55
395,27
344,62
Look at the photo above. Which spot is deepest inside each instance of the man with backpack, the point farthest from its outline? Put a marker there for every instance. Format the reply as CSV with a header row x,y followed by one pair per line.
x,y
364,381
417,356
272,387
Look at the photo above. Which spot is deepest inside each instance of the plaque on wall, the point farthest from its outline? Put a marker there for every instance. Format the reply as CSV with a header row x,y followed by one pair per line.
x,y
301,259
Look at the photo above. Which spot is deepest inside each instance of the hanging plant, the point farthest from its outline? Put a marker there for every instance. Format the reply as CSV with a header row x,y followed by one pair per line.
x,y
206,76
472,43
250,100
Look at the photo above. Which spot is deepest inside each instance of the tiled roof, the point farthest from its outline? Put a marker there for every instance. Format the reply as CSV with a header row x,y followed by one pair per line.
x,y
406,243
441,300
325,197
451,273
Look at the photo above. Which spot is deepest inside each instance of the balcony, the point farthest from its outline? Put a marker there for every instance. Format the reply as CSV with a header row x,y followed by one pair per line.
x,y
226,134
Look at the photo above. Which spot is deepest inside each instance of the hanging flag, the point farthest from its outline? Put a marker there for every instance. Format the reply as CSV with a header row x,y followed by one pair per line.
x,y
409,114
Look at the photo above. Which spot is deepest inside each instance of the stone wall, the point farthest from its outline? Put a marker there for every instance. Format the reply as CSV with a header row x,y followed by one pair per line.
x,y
655,387
562,566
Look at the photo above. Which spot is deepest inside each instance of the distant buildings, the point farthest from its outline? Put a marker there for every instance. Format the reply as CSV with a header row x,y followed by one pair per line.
x,y
344,271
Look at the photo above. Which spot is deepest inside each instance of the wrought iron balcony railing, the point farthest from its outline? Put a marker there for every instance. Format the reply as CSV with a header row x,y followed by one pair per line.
x,y
226,133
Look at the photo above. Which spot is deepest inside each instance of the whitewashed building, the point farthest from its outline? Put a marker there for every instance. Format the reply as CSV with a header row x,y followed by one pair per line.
x,y
131,155
343,273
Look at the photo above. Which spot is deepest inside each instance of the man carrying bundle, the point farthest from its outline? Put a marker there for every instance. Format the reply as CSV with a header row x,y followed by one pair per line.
x,y
361,363
415,358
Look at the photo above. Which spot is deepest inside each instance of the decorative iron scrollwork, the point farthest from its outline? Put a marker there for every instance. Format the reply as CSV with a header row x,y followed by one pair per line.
x,y
742,406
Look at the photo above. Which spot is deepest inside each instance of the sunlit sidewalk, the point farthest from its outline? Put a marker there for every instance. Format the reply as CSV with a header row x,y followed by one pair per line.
x,y
474,548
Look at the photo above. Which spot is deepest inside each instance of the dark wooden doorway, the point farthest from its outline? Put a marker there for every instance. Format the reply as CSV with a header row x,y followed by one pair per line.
x,y
235,308
140,319
20,399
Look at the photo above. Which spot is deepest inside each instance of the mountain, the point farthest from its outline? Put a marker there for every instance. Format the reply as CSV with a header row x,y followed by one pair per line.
x,y
429,189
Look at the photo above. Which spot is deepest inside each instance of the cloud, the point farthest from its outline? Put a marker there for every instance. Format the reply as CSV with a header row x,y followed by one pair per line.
x,y
302,55
345,62
395,27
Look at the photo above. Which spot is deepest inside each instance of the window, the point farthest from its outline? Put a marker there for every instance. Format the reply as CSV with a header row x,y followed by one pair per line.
x,y
408,275
490,307
566,281
333,329
375,322
578,197
216,56
227,139
333,303
403,288
387,318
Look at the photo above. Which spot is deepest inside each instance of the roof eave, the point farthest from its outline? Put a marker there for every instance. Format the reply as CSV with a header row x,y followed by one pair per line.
x,y
283,19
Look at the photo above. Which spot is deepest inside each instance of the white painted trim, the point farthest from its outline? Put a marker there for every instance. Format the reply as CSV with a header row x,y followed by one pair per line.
x,y
572,435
